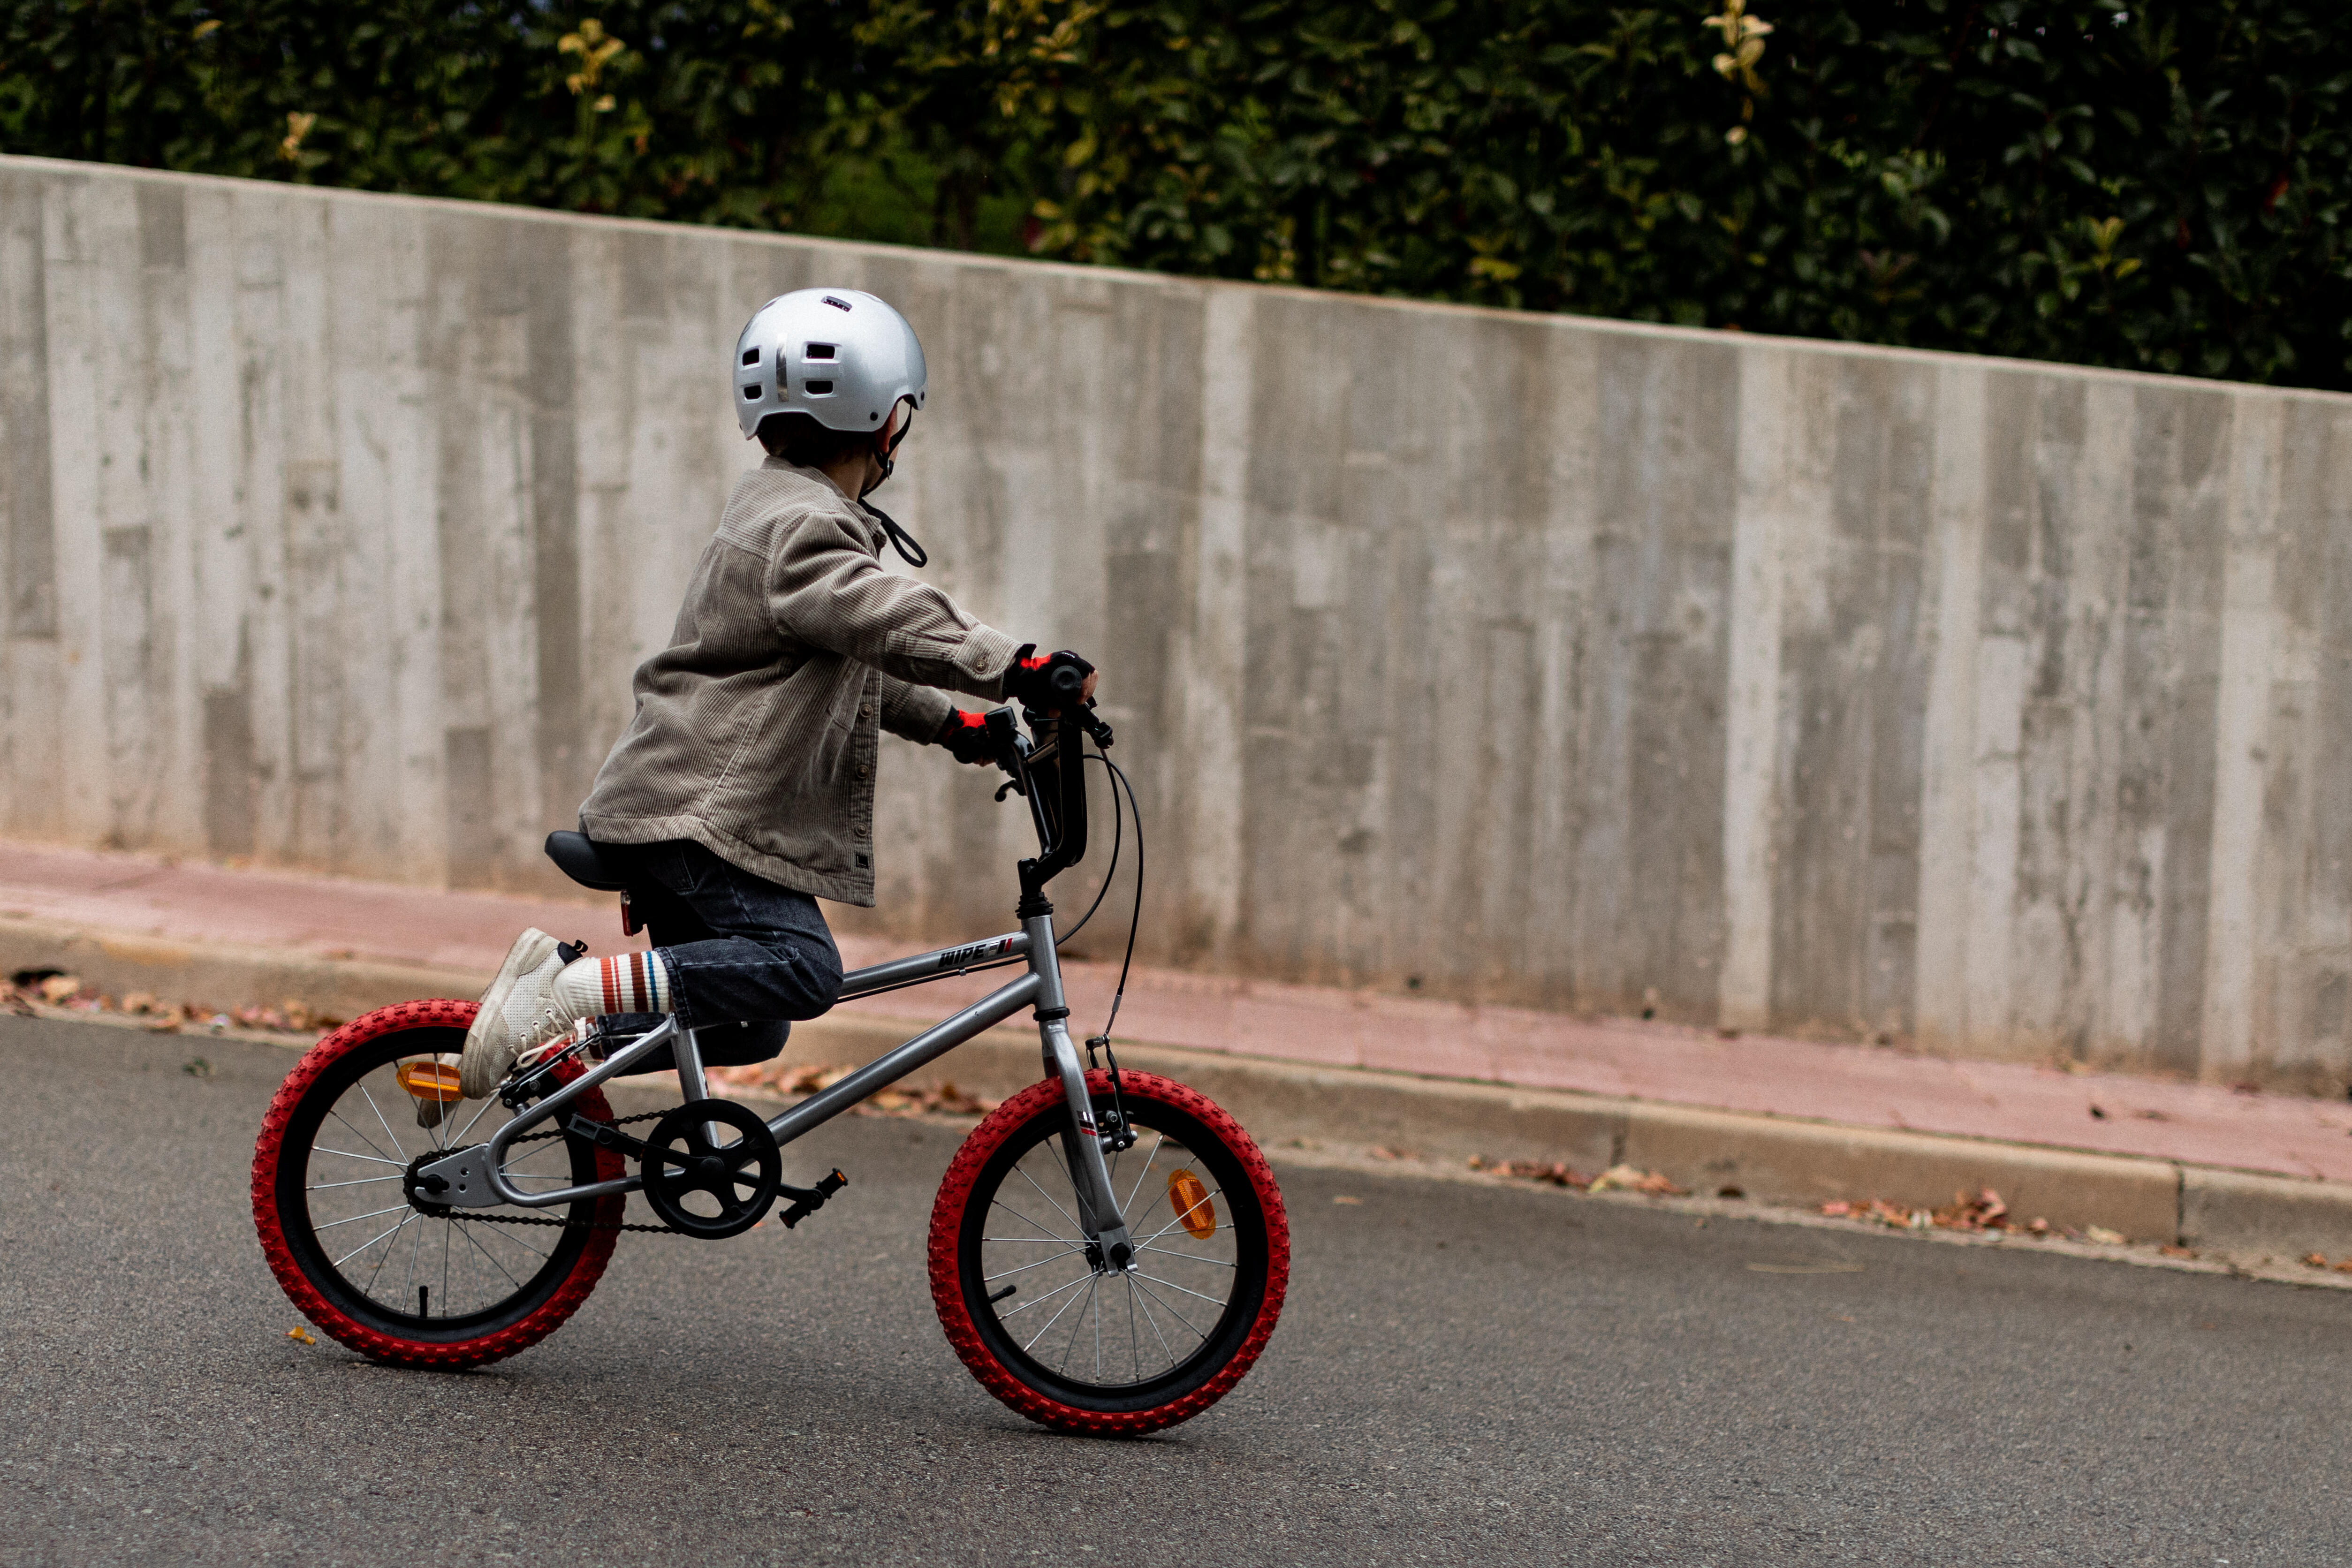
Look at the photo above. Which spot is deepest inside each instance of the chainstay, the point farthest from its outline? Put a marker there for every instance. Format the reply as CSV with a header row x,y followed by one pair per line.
x,y
561,1224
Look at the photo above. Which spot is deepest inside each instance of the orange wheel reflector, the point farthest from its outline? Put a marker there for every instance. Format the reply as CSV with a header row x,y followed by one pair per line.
x,y
1191,1201
433,1080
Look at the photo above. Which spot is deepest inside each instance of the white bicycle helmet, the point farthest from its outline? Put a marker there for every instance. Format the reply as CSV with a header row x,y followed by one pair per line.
x,y
839,355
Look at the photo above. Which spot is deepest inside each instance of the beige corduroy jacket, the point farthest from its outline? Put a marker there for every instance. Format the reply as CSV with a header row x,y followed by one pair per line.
x,y
756,729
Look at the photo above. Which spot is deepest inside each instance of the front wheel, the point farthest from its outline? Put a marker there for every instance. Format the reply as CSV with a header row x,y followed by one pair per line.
x,y
1031,1306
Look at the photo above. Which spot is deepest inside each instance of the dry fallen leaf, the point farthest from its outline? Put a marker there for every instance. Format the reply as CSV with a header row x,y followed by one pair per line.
x,y
1633,1178
2103,1236
301,1336
1348,1200
2314,1259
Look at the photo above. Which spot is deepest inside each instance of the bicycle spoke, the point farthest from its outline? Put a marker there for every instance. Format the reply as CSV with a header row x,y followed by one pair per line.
x,y
386,1256
1135,1299
416,1247
355,1218
372,1159
1024,1268
1050,1235
1047,1196
323,1185
1173,1224
1174,1286
1041,1301
1065,1306
390,1136
1189,1256
1080,1321
1134,1348
366,1245
1168,1306
1146,1171
468,1232
474,1118
511,1239
363,1138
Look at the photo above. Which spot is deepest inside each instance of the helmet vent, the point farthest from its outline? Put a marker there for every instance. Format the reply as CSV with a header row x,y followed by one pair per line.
x,y
752,393
836,304
816,389
750,356
819,351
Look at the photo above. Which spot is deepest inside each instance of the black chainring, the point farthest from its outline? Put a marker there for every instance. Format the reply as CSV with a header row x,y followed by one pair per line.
x,y
739,1179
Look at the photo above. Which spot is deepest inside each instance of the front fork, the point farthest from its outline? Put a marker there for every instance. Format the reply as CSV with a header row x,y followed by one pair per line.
x,y
1089,1172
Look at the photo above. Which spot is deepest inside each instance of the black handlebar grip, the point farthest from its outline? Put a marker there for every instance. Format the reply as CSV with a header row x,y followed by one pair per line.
x,y
1067,681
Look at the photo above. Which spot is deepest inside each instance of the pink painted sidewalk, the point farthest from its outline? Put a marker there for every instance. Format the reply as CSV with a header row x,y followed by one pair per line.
x,y
1857,1086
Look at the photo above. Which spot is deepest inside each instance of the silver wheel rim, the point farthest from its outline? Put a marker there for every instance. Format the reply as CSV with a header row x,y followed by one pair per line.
x,y
1104,1329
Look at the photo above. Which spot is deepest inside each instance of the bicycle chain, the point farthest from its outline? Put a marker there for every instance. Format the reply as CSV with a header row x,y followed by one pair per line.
x,y
561,1224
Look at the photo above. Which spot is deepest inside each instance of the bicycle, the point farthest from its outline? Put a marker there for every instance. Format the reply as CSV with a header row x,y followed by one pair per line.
x,y
1133,1217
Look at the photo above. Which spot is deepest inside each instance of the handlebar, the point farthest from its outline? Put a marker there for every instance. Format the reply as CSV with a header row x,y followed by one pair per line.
x,y
1048,769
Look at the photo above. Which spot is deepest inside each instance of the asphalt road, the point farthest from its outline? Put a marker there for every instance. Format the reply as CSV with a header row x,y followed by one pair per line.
x,y
1464,1374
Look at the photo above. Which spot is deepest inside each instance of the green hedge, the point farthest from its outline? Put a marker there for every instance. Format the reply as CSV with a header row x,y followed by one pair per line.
x,y
2158,188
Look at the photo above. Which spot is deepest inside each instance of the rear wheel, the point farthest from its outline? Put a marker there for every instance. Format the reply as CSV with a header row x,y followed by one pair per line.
x,y
381,1266
1031,1307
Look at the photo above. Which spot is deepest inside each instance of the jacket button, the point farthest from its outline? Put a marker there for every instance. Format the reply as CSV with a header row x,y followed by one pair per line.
x,y
865,710
864,771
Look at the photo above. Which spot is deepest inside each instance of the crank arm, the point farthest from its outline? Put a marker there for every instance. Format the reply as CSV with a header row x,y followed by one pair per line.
x,y
807,1200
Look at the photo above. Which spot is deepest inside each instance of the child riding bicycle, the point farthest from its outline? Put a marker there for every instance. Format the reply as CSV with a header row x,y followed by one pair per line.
x,y
743,790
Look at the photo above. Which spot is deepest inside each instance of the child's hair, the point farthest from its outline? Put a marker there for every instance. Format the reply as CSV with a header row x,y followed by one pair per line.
x,y
798,438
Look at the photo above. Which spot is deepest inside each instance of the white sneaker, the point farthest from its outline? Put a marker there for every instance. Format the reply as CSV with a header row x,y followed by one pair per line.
x,y
515,1013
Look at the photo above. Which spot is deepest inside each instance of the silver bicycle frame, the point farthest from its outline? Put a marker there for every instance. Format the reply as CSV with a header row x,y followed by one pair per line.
x,y
477,1177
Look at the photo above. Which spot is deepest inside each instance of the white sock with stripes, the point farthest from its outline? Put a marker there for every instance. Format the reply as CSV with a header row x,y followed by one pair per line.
x,y
624,983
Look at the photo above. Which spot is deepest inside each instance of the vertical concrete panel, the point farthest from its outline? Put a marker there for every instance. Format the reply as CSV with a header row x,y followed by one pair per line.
x,y
2081,754
1851,683
2174,591
26,529
31,724
216,654
567,756
1651,855
224,535
2308,805
2243,740
1947,773
1563,616
89,225
254,563
1781,485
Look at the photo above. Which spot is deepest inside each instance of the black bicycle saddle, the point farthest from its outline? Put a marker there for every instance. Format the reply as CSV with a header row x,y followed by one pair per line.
x,y
579,857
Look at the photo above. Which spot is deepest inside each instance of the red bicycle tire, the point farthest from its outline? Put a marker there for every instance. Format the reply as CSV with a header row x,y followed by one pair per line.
x,y
947,1289
374,1343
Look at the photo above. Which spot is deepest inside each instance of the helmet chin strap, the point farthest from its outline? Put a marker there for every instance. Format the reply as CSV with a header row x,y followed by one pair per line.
x,y
910,552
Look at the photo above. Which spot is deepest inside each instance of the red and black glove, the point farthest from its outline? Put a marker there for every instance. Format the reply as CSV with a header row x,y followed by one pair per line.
x,y
1046,680
965,735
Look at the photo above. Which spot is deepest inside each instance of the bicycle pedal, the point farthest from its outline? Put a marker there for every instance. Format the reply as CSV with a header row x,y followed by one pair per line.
x,y
807,1200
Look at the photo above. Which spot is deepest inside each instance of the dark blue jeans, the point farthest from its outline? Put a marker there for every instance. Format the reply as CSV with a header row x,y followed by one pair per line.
x,y
745,956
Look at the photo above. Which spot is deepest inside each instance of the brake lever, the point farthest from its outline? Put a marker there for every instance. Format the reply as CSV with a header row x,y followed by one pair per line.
x,y
1009,752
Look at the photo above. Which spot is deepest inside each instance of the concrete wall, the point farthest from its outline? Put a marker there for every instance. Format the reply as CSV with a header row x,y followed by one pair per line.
x,y
1763,682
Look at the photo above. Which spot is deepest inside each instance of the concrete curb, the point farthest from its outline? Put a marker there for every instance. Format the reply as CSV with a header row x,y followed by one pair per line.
x,y
1768,1159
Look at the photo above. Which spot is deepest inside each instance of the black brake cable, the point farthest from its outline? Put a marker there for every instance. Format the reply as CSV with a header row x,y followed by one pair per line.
x,y
1124,1137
